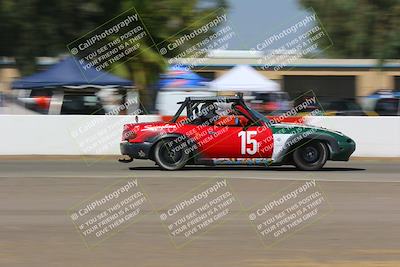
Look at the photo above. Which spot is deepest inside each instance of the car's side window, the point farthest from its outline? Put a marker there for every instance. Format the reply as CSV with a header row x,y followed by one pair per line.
x,y
202,114
218,114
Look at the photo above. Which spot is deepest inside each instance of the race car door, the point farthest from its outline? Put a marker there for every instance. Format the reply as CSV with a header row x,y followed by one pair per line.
x,y
234,138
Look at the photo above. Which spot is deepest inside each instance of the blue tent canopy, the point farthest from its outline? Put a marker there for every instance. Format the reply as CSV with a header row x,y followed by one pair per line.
x,y
181,77
67,73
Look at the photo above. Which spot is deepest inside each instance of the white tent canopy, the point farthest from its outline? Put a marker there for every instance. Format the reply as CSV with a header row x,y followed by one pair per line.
x,y
243,78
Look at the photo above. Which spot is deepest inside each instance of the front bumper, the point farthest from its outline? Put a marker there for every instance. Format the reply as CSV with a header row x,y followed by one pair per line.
x,y
344,151
136,150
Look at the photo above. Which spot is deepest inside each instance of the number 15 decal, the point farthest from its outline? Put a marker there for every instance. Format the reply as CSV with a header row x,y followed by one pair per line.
x,y
246,139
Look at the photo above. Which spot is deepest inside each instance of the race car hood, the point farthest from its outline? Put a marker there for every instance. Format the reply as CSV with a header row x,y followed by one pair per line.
x,y
306,131
302,127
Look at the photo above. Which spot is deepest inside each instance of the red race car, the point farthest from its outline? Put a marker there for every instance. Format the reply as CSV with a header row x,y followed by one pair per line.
x,y
224,130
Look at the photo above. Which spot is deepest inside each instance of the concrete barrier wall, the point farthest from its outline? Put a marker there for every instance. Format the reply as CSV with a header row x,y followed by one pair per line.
x,y
374,136
100,135
63,134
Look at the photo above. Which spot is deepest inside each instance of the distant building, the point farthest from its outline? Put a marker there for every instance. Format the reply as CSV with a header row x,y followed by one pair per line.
x,y
327,77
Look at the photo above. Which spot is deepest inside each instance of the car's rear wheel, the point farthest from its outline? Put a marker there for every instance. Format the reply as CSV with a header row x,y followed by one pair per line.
x,y
169,155
310,156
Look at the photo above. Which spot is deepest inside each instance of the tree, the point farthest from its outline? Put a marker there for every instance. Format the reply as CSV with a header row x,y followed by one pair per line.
x,y
33,28
167,21
360,28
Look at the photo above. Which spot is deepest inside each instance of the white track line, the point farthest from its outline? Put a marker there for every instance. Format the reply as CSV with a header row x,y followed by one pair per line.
x,y
207,177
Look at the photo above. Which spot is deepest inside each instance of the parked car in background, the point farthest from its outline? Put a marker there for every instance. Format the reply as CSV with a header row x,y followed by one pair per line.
x,y
312,104
82,103
269,103
73,102
344,107
36,100
388,107
383,102
2,99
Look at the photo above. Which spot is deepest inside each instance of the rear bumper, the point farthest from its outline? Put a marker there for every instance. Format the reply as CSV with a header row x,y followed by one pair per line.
x,y
136,150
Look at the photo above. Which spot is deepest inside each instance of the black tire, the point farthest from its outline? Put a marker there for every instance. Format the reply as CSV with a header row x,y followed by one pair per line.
x,y
310,156
169,158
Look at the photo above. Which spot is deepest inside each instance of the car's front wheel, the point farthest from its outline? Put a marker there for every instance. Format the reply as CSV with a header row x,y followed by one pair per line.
x,y
169,155
310,156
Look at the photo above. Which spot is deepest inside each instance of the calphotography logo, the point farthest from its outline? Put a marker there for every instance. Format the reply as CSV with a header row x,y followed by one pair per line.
x,y
200,133
190,47
198,211
100,135
110,44
299,205
110,211
298,38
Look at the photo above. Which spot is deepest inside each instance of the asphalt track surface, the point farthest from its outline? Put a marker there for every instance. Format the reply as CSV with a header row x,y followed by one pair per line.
x,y
362,227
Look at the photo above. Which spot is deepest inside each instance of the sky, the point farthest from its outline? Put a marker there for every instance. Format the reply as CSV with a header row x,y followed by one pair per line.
x,y
254,20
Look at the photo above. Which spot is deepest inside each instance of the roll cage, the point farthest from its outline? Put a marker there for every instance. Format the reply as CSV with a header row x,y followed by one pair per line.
x,y
192,102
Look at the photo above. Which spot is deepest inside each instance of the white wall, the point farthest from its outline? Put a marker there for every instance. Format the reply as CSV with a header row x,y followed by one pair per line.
x,y
88,135
374,136
63,134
